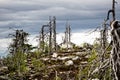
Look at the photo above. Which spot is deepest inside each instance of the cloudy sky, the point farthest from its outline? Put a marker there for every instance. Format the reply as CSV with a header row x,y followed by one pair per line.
x,y
30,15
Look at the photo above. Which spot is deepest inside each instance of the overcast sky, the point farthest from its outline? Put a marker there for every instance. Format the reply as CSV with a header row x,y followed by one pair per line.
x,y
30,15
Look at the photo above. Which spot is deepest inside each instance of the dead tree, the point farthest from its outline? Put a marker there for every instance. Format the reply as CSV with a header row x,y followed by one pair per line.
x,y
112,11
51,32
67,38
115,53
50,36
103,40
69,33
115,41
103,49
19,42
42,37
54,34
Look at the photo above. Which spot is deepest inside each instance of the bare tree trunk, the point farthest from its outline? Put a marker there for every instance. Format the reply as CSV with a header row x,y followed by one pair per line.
x,y
54,33
50,37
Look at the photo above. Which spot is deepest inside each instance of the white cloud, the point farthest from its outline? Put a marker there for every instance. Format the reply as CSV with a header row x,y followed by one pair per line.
x,y
4,44
77,38
81,37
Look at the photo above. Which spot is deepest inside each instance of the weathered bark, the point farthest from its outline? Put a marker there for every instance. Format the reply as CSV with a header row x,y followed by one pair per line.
x,y
115,53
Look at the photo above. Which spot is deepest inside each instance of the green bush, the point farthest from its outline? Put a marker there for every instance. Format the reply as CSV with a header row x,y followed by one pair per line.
x,y
38,65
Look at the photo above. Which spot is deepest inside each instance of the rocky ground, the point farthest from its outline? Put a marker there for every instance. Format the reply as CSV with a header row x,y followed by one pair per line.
x,y
58,66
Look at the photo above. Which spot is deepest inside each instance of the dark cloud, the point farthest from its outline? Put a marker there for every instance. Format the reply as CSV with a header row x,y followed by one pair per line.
x,y
30,15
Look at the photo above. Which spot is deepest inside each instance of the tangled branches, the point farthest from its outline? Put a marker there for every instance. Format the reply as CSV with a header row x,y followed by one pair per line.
x,y
115,52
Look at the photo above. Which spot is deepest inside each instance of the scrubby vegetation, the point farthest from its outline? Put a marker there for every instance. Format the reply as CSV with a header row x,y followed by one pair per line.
x,y
82,63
